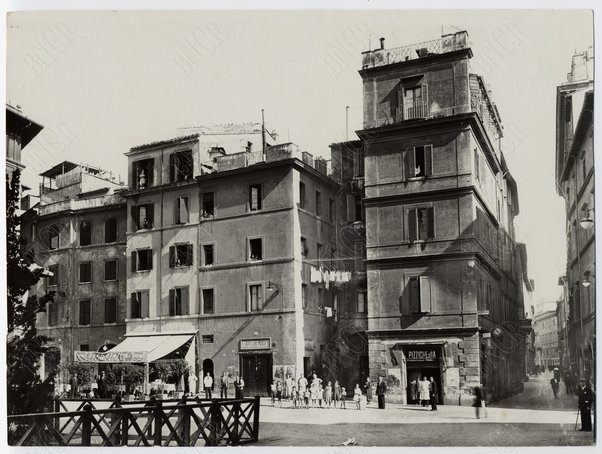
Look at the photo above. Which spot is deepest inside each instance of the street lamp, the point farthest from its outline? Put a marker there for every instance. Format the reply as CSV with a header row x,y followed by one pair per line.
x,y
588,221
586,282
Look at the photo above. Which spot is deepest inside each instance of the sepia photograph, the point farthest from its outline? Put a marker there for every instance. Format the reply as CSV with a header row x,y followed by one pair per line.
x,y
300,228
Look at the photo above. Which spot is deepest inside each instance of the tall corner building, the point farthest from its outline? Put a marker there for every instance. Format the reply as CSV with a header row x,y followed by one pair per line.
x,y
443,270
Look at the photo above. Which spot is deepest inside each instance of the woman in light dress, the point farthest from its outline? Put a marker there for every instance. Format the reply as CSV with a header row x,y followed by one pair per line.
x,y
423,386
357,395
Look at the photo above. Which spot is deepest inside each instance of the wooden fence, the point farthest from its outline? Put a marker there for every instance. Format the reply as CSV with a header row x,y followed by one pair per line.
x,y
184,422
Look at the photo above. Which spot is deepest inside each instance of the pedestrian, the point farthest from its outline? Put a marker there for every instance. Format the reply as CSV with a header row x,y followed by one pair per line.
x,y
239,387
273,392
294,397
279,393
478,401
433,394
192,383
414,391
368,390
208,385
357,396
555,384
381,392
423,388
302,384
328,395
336,393
343,397
288,387
306,397
568,381
223,385
586,398
102,385
320,395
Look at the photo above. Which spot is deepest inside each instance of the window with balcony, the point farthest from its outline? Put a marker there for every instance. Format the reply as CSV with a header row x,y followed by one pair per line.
x,y
53,279
208,251
111,270
414,101
143,216
255,249
111,310
84,312
419,293
255,301
85,233
180,255
421,224
181,215
111,230
255,197
318,203
207,204
142,260
85,273
361,300
178,301
418,161
181,166
143,173
139,304
207,297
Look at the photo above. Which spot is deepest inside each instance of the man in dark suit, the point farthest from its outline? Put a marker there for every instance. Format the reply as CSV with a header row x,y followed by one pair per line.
x,y
433,394
381,391
586,398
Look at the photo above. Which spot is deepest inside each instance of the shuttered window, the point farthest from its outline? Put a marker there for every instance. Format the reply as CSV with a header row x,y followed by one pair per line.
x,y
421,224
178,301
110,310
255,297
418,289
255,197
111,230
84,312
143,216
142,260
180,255
418,161
139,304
181,215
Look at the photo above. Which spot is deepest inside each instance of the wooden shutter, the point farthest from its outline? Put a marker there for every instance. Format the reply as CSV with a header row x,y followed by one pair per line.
x,y
133,261
172,167
171,308
189,256
184,300
183,207
150,213
428,160
144,303
132,303
476,164
172,256
135,217
425,294
430,219
150,258
350,208
412,224
412,286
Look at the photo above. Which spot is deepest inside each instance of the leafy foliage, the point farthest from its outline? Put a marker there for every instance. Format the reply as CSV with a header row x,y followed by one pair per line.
x,y
172,369
84,372
27,392
131,374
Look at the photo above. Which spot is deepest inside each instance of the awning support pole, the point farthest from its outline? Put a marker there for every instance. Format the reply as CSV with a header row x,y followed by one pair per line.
x,y
146,377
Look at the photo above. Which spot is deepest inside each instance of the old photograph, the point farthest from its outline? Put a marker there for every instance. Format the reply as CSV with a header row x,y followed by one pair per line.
x,y
292,228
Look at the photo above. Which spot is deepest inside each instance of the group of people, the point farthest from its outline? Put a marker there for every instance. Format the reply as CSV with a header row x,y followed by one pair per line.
x,y
424,392
224,383
320,394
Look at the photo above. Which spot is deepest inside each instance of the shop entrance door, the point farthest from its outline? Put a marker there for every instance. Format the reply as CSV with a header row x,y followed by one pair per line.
x,y
418,372
257,373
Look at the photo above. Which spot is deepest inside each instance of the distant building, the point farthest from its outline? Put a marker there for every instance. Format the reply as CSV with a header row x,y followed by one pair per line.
x,y
545,327
575,183
77,232
444,284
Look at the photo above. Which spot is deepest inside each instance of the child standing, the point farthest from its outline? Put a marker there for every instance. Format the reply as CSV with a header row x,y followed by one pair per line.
x,y
328,395
320,395
306,397
273,392
357,396
279,393
295,397
336,393
343,397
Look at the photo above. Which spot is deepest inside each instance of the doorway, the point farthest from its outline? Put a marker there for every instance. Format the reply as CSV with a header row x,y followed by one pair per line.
x,y
208,367
257,373
418,372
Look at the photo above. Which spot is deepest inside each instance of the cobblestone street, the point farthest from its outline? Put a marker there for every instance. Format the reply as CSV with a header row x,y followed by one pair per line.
x,y
532,418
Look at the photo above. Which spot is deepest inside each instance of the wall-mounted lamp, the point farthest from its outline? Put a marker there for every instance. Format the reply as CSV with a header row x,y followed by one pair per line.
x,y
586,282
271,286
587,222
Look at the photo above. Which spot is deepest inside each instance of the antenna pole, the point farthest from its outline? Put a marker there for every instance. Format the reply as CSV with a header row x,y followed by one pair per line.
x,y
346,122
262,131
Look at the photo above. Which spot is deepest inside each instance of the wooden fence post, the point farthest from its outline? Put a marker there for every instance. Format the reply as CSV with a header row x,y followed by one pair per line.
x,y
158,412
87,425
184,428
215,424
236,411
57,409
257,404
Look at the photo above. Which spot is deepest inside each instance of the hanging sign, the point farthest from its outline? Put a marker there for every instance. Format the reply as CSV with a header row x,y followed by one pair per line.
x,y
421,354
256,344
109,357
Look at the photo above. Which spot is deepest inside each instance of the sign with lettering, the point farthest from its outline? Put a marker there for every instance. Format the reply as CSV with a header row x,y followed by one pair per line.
x,y
109,357
263,343
429,354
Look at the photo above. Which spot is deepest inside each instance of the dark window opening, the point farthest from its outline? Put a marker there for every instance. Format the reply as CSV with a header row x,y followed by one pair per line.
x,y
420,294
111,270
84,312
255,297
54,279
51,314
143,215
53,241
143,173
208,254
85,233
302,195
304,296
178,301
139,304
304,248
207,338
361,303
318,203
142,260
111,230
421,224
84,347
181,210
331,210
255,197
255,249
418,161
181,167
85,272
208,302
110,310
180,255
208,206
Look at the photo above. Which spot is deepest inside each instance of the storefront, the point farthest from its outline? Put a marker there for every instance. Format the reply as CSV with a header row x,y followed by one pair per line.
x,y
423,361
256,365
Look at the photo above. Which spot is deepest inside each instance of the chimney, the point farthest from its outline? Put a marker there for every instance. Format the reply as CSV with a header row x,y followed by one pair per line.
x,y
382,43
249,147
216,152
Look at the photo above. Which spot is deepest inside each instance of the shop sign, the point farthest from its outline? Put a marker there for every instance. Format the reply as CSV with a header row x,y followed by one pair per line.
x,y
429,354
264,343
109,357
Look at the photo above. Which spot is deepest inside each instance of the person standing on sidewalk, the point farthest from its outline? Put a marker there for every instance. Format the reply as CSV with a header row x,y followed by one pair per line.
x,y
223,386
478,401
239,386
381,392
337,393
423,387
433,394
586,398
208,385
555,384
302,384
368,390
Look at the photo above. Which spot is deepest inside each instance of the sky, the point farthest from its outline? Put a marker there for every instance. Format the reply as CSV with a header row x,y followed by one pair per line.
x,y
102,82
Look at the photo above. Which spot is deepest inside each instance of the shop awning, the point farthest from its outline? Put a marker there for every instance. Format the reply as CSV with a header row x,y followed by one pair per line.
x,y
143,348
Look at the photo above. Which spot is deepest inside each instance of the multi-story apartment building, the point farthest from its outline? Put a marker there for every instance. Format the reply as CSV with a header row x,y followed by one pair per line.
x,y
575,183
226,258
545,327
444,288
77,232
